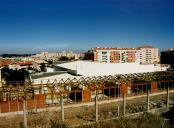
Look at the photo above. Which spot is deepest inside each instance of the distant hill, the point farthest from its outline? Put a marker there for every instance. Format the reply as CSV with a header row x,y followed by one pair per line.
x,y
15,55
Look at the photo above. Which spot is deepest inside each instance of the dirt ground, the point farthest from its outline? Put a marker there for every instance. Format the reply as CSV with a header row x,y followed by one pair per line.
x,y
85,114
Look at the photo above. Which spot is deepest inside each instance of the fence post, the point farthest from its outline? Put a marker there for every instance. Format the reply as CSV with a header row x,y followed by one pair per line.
x,y
35,106
148,100
124,104
62,108
25,110
75,96
17,101
52,97
0,79
9,100
118,110
96,106
167,103
109,92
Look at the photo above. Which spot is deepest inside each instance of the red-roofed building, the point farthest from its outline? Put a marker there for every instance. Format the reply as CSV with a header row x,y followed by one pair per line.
x,y
114,55
5,63
21,65
144,55
27,63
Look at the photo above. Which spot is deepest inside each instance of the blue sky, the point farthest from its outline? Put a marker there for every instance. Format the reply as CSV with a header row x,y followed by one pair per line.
x,y
30,26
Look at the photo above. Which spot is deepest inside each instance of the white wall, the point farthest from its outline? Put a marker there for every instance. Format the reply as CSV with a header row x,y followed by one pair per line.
x,y
95,69
48,69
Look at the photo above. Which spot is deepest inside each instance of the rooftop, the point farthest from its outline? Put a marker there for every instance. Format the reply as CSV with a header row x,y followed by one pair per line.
x,y
169,50
146,46
87,68
66,79
113,48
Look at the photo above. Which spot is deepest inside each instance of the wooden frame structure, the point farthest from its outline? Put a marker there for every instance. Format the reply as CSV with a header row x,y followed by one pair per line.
x,y
82,89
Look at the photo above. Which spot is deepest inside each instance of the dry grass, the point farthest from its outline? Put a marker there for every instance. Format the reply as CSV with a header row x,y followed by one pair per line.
x,y
86,114
144,121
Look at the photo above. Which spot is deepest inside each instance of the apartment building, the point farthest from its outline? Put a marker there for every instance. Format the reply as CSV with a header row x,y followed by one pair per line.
x,y
114,55
167,57
148,55
143,55
54,55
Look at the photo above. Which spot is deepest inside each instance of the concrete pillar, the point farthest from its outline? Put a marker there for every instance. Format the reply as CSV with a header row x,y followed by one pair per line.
x,y
148,100
9,106
18,101
118,110
75,96
124,104
82,95
35,106
167,102
52,97
0,79
25,113
62,108
119,90
96,107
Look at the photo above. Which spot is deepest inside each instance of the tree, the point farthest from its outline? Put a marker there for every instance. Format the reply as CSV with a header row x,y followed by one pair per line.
x,y
42,67
50,62
15,76
63,58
